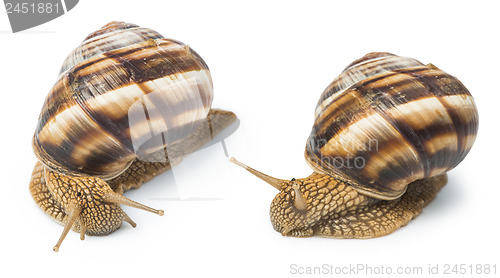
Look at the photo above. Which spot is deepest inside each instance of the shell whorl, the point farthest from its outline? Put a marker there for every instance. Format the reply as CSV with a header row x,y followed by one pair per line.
x,y
387,121
125,91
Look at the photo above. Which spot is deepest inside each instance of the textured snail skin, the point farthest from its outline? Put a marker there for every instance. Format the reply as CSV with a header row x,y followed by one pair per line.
x,y
423,122
335,209
128,104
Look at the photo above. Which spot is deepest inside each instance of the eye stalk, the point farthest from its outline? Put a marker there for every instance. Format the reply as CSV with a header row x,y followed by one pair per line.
x,y
300,201
276,183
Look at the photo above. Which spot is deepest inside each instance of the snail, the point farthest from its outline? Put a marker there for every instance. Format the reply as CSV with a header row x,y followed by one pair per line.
x,y
128,104
386,132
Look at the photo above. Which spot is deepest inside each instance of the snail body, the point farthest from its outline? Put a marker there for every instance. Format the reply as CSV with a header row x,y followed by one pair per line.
x,y
128,104
386,132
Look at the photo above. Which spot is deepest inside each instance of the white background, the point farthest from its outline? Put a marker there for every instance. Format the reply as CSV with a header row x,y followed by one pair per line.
x,y
270,61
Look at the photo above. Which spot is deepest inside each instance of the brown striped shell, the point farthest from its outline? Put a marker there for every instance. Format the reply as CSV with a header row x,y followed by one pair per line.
x,y
389,120
125,91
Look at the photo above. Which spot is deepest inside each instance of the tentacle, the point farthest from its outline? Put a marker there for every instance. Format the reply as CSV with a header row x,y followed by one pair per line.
x,y
74,213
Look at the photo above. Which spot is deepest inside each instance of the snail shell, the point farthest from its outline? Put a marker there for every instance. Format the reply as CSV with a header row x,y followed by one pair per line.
x,y
124,92
387,121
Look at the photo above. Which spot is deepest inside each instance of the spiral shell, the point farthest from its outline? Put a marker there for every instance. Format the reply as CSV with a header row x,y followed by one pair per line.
x,y
125,91
389,120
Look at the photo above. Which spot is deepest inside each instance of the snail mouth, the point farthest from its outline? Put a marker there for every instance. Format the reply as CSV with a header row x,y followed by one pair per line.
x,y
289,231
282,226
285,230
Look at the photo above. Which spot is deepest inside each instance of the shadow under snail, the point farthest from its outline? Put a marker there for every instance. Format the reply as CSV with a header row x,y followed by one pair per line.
x,y
386,132
128,105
